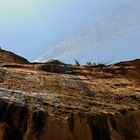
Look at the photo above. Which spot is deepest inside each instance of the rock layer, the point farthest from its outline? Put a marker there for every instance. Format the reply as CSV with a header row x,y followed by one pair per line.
x,y
6,56
63,102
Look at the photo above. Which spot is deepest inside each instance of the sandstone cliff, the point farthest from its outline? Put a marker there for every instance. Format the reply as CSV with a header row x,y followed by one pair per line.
x,y
55,101
6,56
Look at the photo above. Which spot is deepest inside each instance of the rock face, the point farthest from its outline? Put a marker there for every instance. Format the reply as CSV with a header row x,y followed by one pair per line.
x,y
6,56
67,102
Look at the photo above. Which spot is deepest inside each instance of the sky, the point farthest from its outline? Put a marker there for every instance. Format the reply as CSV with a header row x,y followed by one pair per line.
x,y
91,30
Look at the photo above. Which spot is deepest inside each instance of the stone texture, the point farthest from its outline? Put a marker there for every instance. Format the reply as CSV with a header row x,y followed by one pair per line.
x,y
68,102
7,56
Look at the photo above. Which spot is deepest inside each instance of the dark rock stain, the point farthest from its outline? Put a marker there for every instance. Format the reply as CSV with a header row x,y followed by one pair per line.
x,y
71,123
99,127
113,121
39,120
2,75
15,119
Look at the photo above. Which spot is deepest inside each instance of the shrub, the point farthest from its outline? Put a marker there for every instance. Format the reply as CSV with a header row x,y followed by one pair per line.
x,y
91,63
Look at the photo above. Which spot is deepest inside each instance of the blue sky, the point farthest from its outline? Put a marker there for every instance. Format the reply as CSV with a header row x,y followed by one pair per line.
x,y
71,29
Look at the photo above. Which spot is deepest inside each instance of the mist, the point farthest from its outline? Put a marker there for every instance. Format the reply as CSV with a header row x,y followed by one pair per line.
x,y
108,30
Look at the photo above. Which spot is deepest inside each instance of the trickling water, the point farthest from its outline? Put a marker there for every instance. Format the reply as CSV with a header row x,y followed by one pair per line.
x,y
123,20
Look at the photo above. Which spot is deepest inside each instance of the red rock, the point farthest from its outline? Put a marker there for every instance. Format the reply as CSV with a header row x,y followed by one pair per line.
x,y
6,56
65,102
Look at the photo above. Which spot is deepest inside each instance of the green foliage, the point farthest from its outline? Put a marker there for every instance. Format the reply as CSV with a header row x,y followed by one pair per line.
x,y
89,63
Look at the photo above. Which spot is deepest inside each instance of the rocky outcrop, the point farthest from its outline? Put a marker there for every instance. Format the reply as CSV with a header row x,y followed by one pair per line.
x,y
6,56
86,103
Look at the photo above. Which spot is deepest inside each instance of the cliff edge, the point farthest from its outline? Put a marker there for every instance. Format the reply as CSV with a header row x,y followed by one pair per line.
x,y
7,56
56,101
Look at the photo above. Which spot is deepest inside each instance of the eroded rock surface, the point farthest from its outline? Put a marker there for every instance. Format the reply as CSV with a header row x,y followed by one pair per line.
x,y
7,56
65,102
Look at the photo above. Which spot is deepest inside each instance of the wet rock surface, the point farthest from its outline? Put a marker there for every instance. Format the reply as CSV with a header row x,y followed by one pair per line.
x,y
65,102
